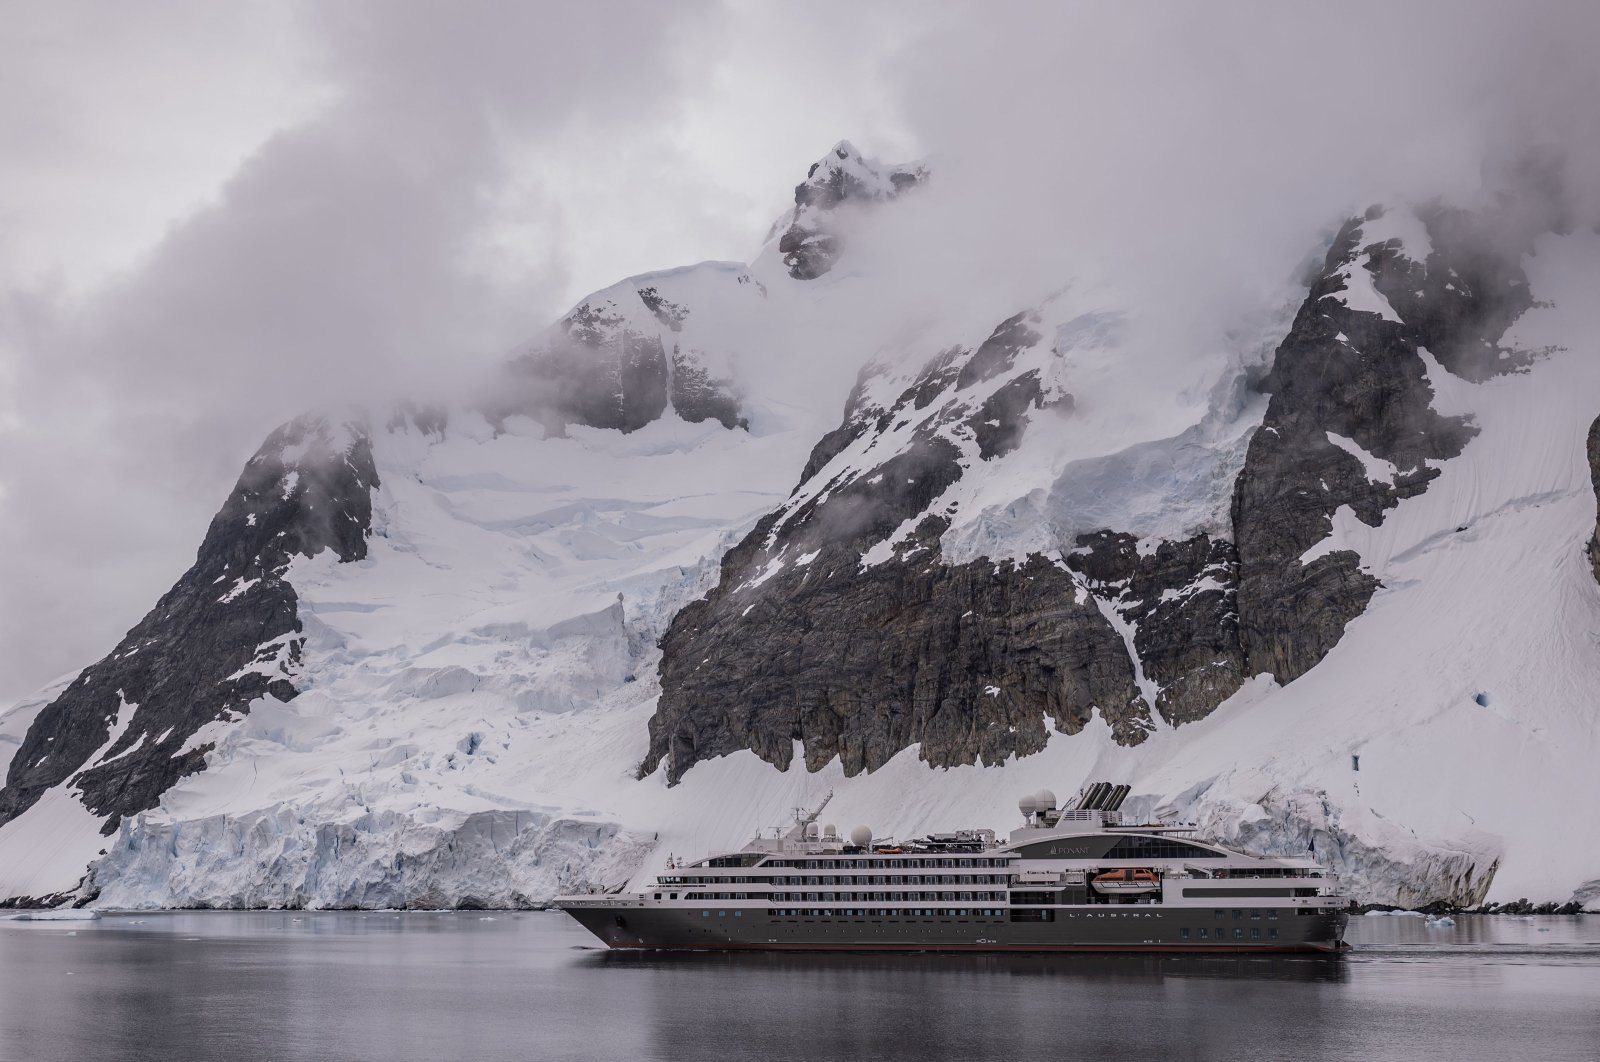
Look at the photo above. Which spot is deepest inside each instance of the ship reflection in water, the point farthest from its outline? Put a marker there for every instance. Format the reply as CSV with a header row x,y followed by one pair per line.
x,y
1099,969
534,985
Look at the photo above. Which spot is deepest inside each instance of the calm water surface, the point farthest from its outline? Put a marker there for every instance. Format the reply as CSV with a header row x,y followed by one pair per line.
x,y
240,987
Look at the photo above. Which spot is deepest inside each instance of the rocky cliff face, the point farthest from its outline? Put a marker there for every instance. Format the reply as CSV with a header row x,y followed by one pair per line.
x,y
1593,451
622,357
841,181
838,624
1351,427
227,633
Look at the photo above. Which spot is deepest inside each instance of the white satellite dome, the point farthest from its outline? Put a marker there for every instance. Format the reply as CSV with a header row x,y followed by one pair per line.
x,y
861,836
1028,805
1046,799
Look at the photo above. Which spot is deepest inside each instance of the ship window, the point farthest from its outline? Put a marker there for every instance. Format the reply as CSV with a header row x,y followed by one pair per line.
x,y
1159,848
1255,912
1272,913
1255,933
705,914
674,896
658,896
1203,933
1183,934
738,914
1217,913
1272,933
722,914
1238,934
1238,913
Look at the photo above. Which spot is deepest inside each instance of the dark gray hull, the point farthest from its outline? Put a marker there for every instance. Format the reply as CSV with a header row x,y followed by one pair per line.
x,y
1100,927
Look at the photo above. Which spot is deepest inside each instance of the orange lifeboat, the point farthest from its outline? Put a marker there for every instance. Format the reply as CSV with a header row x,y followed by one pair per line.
x,y
1126,881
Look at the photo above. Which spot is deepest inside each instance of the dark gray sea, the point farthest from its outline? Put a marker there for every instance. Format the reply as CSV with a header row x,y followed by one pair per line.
x,y
238,987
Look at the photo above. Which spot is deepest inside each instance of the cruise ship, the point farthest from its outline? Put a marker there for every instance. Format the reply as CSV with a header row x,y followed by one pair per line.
x,y
1081,878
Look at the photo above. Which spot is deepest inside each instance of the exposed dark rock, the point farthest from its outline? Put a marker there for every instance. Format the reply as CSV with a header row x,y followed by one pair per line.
x,y
671,314
998,353
596,370
966,660
1358,375
839,439
1594,477
697,396
1460,301
224,635
999,422
599,369
1182,602
815,236
802,641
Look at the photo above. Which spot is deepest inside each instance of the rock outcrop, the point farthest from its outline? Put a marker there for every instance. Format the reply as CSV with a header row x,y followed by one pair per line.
x,y
837,623
226,634
840,181
1180,603
618,360
1350,424
1594,477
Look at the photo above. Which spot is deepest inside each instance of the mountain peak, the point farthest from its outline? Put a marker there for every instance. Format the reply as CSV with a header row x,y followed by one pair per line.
x,y
813,240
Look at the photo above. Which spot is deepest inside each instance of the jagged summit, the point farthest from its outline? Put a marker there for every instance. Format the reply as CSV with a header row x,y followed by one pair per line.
x,y
624,355
813,232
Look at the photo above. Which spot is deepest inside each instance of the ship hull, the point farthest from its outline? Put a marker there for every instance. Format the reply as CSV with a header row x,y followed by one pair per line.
x,y
630,925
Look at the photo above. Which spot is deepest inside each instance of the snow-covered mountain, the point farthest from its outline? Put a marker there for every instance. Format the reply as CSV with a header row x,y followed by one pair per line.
x,y
637,599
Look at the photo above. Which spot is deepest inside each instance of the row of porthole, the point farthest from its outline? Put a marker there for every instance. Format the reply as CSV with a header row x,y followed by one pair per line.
x,y
1238,933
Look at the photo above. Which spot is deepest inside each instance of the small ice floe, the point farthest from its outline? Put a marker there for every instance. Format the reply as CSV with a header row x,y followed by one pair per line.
x,y
1442,922
68,915
488,918
1408,914
1377,914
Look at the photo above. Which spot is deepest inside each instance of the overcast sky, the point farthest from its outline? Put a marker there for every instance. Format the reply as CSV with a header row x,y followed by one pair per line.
x,y
213,216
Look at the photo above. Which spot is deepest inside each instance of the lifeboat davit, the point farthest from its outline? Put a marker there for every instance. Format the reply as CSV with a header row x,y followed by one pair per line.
x,y
1127,881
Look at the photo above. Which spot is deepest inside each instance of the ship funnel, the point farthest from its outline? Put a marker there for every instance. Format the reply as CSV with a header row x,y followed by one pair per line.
x,y
861,836
1095,799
